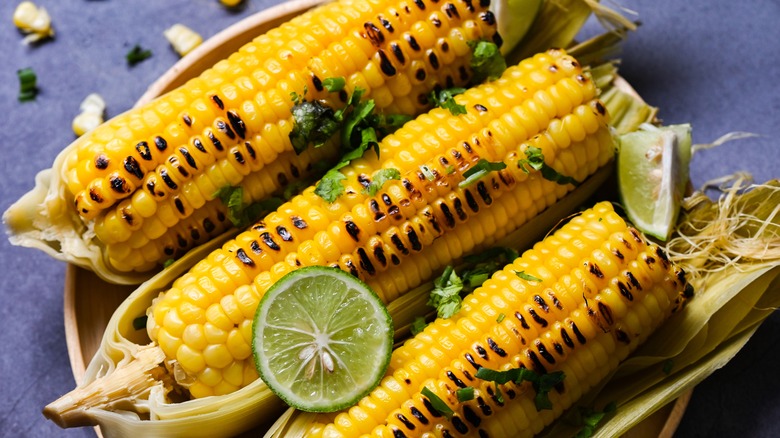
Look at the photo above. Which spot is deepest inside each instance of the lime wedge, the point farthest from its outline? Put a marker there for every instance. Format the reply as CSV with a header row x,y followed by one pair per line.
x,y
322,339
652,176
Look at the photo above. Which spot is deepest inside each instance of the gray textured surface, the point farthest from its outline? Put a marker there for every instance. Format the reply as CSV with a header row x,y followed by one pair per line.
x,y
713,63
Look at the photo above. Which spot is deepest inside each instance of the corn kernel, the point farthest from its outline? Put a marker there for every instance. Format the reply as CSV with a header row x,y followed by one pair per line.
x,y
182,38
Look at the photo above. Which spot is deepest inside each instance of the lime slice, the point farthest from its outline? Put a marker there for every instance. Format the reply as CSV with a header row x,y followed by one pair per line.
x,y
322,339
652,176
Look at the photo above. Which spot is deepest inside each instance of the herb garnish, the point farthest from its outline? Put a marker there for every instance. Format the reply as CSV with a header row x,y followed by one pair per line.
x,y
527,277
542,383
446,99
240,214
482,168
590,419
535,160
28,87
380,178
137,54
486,61
437,402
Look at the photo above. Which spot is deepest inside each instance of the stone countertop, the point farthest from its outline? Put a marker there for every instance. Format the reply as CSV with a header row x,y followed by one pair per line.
x,y
713,63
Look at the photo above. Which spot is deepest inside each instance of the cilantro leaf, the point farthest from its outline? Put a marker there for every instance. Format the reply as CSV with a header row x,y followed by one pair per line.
x,y
482,168
334,84
446,99
542,383
591,418
351,136
28,87
445,296
535,160
437,402
240,214
486,61
527,277
313,123
168,262
380,178
418,325
137,54
330,188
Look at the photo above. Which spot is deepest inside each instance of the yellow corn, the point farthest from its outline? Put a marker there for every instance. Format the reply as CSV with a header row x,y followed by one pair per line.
x,y
182,38
144,171
91,116
597,289
416,225
33,20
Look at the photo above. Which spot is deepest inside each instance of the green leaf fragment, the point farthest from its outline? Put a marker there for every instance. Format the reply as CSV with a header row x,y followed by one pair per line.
x,y
335,84
239,213
28,84
418,325
446,99
330,188
137,54
437,402
445,296
535,160
527,277
465,394
591,418
479,170
380,178
487,63
542,383
314,123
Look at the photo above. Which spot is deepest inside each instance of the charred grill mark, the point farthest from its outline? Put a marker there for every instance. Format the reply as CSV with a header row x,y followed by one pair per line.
x,y
214,140
577,333
420,4
606,312
168,250
435,20
127,216
160,143
217,101
541,303
481,352
488,18
479,107
493,346
451,10
484,407
379,255
101,162
95,196
177,165
255,247
208,226
471,416
414,240
662,255
131,166
179,204
566,338
386,24
188,157
470,201
181,241
539,320
365,262
431,410
463,73
448,216
282,179
199,145
398,52
458,205
625,291
469,5
351,267
459,425
118,184
535,362
225,129
237,124
433,59
317,82
244,258
253,155
399,244
364,180
420,74
459,383
298,222
600,108
484,193
594,269
384,63
187,119
622,336
373,205
470,359
632,279
374,34
418,415
269,241
284,233
294,171
143,150
395,260
635,234
352,230
412,42
558,348
408,424
523,322
397,433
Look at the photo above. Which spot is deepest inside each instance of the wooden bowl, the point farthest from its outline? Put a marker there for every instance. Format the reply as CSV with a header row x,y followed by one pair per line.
x,y
89,301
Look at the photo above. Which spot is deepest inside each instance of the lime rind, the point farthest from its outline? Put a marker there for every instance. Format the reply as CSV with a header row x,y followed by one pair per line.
x,y
653,172
322,339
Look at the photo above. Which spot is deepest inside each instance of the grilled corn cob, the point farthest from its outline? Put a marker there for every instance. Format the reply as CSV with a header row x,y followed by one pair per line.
x,y
587,297
135,179
203,323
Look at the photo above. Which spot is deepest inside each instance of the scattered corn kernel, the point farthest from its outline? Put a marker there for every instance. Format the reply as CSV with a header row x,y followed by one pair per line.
x,y
92,109
230,3
34,21
182,38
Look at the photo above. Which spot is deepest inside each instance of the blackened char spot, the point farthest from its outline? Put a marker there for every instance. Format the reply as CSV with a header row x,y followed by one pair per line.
x,y
493,346
398,52
199,145
238,125
118,184
409,425
208,225
131,166
384,63
269,241
471,416
451,10
470,201
374,34
179,204
365,262
188,157
244,258
625,291
352,230
143,150
606,312
217,101
101,162
459,425
459,383
214,140
225,129
160,143
399,244
484,193
317,82
412,42
488,18
298,222
418,415
284,233
431,410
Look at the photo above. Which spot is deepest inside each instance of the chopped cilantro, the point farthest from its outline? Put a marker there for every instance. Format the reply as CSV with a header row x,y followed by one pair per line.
x,y
168,262
446,99
500,318
527,277
380,178
542,383
437,403
314,123
140,322
590,419
502,253
445,296
329,188
137,54
418,325
486,61
28,87
465,394
334,85
535,160
240,214
479,170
